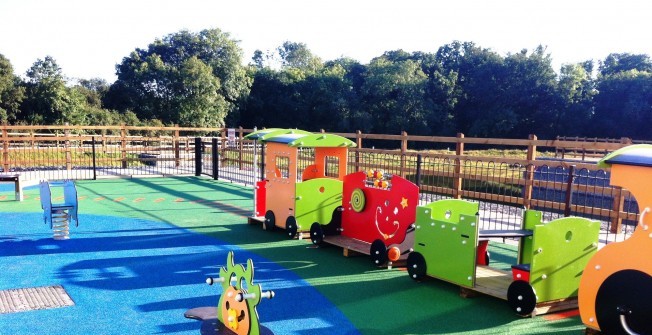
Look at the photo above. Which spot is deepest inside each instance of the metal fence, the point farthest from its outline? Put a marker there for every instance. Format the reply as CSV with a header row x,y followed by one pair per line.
x,y
502,186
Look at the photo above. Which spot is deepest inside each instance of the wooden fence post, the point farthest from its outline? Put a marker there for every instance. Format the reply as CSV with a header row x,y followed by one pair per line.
x,y
404,145
177,146
66,147
5,148
531,156
240,147
616,222
457,179
123,145
358,145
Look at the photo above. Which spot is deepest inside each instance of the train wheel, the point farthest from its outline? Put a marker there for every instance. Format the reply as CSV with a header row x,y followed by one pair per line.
x,y
316,234
521,297
623,304
378,252
357,200
270,221
416,266
291,227
486,258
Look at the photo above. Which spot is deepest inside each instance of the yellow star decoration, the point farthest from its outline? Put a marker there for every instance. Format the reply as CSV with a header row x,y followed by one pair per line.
x,y
233,318
404,202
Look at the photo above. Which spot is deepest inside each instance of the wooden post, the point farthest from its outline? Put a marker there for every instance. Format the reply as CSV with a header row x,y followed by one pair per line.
x,y
358,145
404,145
66,148
177,146
5,148
223,145
240,147
616,222
529,172
123,145
457,179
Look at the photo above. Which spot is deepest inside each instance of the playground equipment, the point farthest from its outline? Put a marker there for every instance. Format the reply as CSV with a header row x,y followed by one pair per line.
x,y
17,181
236,310
292,198
59,215
615,292
378,213
550,256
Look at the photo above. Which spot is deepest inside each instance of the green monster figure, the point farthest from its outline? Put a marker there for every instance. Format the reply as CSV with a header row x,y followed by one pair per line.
x,y
237,305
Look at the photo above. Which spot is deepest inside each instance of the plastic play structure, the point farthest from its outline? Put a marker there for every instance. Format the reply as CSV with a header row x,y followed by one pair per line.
x,y
59,214
550,259
236,309
378,213
291,197
615,292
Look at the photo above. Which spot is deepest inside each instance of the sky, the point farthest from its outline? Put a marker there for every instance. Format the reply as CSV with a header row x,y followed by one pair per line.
x,y
87,38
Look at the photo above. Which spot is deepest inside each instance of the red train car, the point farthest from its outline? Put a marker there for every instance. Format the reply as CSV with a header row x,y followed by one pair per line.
x,y
378,215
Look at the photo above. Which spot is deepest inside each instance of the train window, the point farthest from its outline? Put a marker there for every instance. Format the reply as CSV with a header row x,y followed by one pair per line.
x,y
282,167
332,166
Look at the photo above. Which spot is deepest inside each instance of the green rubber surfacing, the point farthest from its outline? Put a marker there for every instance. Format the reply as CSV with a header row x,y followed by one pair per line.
x,y
376,301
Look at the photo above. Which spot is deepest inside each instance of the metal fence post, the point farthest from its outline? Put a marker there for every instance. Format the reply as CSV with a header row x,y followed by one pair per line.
x,y
214,157
94,158
569,191
198,156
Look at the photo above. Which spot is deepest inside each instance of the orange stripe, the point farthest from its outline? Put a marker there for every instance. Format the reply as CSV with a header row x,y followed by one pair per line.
x,y
139,199
82,197
119,199
3,197
562,315
99,199
159,200
178,200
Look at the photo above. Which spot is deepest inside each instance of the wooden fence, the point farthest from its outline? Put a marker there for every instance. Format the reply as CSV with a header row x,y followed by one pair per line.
x,y
411,156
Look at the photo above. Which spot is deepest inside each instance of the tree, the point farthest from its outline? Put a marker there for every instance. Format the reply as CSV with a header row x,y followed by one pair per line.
x,y
298,56
623,107
48,100
576,90
152,84
620,62
394,93
11,93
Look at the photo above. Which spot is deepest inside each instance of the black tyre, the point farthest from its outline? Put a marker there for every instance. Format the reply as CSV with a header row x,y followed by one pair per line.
x,y
270,221
627,293
378,252
316,234
486,258
291,227
416,266
521,297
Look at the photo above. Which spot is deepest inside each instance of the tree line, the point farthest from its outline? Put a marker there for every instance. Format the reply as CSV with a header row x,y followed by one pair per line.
x,y
200,80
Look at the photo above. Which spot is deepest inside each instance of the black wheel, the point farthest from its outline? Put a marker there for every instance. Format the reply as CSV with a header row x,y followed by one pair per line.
x,y
416,266
521,297
316,234
270,221
291,227
486,258
627,293
378,252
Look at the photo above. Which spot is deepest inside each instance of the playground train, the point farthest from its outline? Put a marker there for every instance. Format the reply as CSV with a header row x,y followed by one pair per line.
x,y
558,263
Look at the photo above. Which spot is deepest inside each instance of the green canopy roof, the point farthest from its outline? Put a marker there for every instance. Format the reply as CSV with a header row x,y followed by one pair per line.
x,y
322,141
266,134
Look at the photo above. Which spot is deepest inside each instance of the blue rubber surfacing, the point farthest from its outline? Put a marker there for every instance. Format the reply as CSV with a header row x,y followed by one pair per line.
x,y
135,276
